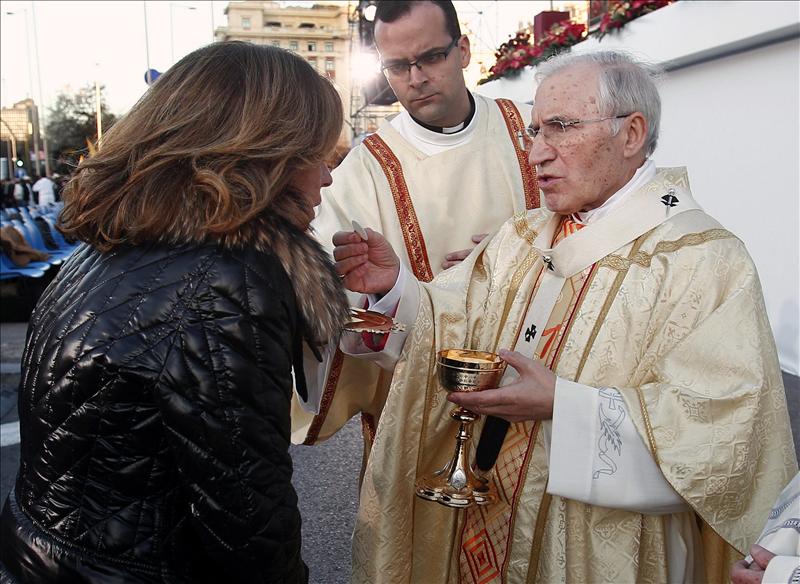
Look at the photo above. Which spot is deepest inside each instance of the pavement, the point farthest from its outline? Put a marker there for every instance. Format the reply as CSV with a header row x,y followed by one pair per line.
x,y
325,476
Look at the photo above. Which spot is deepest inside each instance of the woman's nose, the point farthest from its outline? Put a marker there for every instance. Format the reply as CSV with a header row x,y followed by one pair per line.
x,y
326,179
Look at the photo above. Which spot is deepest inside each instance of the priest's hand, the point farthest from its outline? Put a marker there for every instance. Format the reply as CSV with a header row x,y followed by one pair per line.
x,y
368,266
744,573
530,397
456,257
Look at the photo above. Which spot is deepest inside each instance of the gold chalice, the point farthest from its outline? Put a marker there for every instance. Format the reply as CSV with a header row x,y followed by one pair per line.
x,y
455,484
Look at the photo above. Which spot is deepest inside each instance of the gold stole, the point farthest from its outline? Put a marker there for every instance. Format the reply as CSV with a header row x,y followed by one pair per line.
x,y
486,533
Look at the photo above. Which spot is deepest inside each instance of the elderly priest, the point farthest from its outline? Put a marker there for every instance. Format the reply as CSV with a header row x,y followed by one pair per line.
x,y
648,431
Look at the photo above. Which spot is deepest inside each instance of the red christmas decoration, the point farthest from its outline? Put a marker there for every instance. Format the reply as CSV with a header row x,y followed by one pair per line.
x,y
518,52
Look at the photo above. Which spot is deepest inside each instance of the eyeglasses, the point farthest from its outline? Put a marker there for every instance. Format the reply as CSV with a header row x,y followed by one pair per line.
x,y
429,60
556,131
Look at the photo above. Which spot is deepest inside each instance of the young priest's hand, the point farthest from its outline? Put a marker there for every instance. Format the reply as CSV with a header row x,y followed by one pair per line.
x,y
368,267
456,257
530,397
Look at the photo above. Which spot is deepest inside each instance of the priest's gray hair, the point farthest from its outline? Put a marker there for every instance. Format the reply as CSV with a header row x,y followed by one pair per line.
x,y
627,85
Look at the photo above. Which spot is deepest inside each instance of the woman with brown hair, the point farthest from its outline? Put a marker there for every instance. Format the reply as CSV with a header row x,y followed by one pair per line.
x,y
157,374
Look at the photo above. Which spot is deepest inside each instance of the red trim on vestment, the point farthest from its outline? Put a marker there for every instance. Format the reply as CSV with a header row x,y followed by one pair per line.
x,y
409,224
516,128
327,398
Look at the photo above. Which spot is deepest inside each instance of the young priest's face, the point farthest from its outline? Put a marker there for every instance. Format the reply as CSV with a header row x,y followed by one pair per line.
x,y
436,93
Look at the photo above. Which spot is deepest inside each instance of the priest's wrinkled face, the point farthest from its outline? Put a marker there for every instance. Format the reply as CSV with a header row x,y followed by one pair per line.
x,y
579,160
433,91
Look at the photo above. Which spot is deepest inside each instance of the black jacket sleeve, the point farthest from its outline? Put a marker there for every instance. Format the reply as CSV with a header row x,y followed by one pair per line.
x,y
225,400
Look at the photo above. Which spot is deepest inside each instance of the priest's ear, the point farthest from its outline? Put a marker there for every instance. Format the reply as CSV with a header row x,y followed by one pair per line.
x,y
634,131
464,51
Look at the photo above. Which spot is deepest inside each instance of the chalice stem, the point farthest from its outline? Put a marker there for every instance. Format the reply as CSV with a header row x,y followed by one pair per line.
x,y
459,473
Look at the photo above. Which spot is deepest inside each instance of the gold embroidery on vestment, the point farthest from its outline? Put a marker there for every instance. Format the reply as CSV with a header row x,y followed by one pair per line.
x,y
612,294
522,228
622,265
648,427
516,499
643,259
516,282
538,536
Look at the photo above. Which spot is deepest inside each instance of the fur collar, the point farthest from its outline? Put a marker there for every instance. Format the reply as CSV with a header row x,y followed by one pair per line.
x,y
317,286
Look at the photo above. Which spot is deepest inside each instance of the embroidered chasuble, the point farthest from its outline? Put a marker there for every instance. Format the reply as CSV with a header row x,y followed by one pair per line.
x,y
426,206
658,302
486,529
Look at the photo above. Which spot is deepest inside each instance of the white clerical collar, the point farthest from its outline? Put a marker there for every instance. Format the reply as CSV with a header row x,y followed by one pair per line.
x,y
641,177
431,142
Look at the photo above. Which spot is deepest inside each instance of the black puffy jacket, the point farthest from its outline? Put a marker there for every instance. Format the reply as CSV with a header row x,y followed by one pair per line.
x,y
154,416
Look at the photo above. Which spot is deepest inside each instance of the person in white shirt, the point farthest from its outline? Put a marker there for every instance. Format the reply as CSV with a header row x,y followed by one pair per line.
x,y
647,424
45,189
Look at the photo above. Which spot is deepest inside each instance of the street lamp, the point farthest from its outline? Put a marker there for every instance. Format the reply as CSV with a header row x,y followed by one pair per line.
x,y
27,49
213,32
30,83
98,109
369,12
41,95
172,31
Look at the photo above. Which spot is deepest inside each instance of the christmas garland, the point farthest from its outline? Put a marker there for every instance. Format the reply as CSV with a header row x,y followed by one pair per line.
x,y
518,52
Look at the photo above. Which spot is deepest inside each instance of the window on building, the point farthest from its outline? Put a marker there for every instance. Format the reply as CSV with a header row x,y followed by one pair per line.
x,y
313,62
307,25
312,46
276,43
293,45
272,23
328,47
330,68
246,22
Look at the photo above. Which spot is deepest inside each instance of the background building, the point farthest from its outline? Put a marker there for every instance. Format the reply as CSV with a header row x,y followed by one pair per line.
x,y
336,38
325,35
19,132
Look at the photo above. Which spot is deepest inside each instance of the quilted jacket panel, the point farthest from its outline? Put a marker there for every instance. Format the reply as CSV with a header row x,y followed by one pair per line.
x,y
154,411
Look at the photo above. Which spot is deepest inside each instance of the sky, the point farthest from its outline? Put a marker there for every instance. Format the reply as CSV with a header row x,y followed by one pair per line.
x,y
81,42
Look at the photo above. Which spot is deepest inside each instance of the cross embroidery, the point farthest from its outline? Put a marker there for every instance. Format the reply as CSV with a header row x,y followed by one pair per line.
x,y
530,333
670,200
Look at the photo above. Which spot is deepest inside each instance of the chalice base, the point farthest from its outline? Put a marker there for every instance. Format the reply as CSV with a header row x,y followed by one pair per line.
x,y
455,484
439,487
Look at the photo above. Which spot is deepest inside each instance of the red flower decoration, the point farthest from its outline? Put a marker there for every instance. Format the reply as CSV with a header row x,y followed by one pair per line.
x,y
518,52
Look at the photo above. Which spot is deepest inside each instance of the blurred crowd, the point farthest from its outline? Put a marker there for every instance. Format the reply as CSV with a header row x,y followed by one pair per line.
x,y
27,190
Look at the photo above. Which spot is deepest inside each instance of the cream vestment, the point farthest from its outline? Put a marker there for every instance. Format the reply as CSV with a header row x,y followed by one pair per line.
x,y
654,304
426,205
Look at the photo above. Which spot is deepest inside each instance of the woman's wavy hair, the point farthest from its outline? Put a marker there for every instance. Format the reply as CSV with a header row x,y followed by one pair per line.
x,y
210,147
